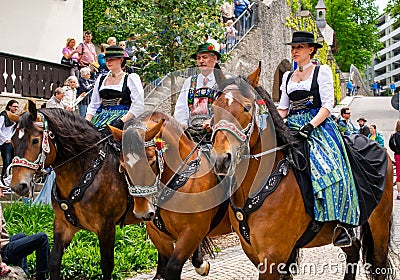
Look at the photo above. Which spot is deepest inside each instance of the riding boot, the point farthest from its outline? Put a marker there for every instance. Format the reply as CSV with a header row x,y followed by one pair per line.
x,y
346,236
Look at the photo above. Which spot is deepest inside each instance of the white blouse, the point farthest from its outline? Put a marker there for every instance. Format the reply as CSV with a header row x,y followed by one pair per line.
x,y
325,82
135,86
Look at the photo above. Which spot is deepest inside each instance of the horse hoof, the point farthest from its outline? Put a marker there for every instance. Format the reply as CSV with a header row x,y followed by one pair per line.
x,y
204,269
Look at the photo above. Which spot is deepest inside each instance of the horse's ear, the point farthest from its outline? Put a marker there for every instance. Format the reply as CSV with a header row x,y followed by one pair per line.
x,y
32,109
254,77
116,132
218,74
150,134
13,117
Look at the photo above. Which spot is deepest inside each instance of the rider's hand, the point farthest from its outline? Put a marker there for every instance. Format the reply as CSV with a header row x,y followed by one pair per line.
x,y
118,123
305,130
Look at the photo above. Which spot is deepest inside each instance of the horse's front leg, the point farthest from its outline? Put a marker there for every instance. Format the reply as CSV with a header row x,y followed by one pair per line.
x,y
106,241
63,234
165,247
352,258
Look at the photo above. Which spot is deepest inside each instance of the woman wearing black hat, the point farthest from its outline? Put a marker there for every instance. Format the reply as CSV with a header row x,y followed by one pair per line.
x,y
117,96
307,100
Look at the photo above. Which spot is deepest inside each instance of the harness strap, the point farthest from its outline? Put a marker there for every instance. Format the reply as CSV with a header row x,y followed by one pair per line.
x,y
79,190
253,203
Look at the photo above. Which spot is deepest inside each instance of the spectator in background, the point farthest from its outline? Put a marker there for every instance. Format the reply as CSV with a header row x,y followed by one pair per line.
x,y
392,87
350,88
230,34
70,52
84,90
345,122
379,86
102,60
227,11
7,129
56,100
112,41
375,88
376,136
86,50
70,89
240,8
394,145
122,44
14,249
364,129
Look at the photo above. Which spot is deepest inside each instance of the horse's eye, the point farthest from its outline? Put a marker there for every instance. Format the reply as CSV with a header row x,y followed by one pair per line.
x,y
35,141
247,108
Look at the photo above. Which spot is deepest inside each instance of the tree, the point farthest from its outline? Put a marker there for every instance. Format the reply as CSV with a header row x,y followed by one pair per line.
x,y
171,29
354,24
393,9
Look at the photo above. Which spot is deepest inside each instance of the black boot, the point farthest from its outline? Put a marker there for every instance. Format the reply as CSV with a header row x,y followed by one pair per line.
x,y
346,236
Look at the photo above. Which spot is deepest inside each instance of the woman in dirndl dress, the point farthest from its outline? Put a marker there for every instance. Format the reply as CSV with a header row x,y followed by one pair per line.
x,y
307,100
117,96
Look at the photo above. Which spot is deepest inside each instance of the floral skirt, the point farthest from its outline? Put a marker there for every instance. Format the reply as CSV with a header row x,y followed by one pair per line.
x,y
107,114
334,189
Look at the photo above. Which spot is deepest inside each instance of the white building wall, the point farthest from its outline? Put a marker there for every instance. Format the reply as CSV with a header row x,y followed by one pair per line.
x,y
39,29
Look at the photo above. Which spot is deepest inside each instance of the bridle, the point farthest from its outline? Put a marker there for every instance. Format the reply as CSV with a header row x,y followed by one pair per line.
x,y
39,164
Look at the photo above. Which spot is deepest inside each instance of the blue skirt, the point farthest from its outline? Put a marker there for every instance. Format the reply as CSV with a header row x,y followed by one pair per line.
x,y
107,114
333,185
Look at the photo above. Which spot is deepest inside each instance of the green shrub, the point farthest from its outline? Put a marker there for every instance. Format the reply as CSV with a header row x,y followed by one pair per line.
x,y
133,251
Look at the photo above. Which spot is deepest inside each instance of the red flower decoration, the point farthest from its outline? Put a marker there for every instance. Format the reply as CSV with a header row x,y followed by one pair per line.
x,y
160,144
261,102
210,47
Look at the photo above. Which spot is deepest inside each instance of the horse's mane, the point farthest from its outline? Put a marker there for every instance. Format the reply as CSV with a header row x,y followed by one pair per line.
x,y
73,134
282,131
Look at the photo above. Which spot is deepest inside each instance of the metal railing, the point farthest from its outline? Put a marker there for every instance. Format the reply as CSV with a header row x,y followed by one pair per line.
x,y
30,77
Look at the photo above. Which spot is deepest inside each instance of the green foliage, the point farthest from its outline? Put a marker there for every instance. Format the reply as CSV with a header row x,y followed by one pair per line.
x,y
133,251
155,26
93,14
393,9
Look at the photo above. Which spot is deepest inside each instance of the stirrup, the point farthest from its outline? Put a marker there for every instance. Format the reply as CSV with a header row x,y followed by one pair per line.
x,y
345,237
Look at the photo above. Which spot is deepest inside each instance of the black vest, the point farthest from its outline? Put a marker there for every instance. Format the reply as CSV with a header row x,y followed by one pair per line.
x,y
111,97
298,95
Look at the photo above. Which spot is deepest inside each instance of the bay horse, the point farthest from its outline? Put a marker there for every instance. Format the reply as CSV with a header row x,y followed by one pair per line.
x,y
89,191
176,188
269,234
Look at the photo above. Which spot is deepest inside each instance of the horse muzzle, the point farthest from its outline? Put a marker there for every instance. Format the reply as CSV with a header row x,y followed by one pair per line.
x,y
222,163
22,189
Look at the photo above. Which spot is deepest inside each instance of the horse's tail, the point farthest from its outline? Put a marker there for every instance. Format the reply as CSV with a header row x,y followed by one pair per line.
x,y
374,269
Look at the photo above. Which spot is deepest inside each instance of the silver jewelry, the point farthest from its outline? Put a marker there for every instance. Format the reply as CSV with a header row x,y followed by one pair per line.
x,y
116,74
304,67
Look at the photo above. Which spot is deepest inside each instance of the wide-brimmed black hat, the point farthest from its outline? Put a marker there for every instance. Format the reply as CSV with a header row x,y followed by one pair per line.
x,y
303,37
114,52
207,47
362,119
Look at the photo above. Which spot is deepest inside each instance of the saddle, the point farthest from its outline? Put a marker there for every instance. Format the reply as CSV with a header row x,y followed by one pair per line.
x,y
368,161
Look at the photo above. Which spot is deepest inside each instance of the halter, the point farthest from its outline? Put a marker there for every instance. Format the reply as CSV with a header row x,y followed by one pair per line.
x,y
38,164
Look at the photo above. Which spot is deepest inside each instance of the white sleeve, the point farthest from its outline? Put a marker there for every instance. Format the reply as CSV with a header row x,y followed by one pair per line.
x,y
137,94
3,137
326,89
95,102
181,113
284,103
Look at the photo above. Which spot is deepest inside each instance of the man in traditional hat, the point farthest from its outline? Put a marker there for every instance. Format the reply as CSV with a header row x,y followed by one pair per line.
x,y
364,129
193,108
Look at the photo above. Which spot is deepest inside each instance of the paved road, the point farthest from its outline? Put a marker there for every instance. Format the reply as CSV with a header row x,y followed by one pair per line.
x,y
232,263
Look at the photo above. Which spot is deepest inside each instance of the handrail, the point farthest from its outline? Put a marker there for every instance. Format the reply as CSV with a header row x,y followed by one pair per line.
x,y
30,77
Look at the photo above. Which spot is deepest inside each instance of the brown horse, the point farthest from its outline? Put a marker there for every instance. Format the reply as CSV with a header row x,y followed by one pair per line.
x,y
281,219
179,194
75,149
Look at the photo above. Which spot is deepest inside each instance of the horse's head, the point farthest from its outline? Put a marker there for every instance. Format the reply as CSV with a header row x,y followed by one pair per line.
x,y
234,121
142,160
33,149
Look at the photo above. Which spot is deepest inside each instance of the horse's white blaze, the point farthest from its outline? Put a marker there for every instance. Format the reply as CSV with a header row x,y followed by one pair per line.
x,y
132,159
229,97
21,133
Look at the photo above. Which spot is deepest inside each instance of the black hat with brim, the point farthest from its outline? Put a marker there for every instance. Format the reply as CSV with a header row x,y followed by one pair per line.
x,y
303,37
362,119
114,52
207,47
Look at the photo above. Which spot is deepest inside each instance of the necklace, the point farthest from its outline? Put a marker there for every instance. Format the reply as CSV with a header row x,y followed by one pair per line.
x,y
116,74
304,67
